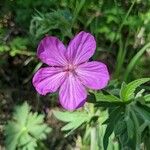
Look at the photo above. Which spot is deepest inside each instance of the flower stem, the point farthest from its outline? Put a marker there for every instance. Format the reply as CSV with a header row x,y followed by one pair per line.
x,y
93,145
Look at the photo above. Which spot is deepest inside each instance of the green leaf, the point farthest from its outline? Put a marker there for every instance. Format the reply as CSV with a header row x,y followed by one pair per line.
x,y
134,60
25,129
73,119
21,114
69,116
73,125
111,122
108,98
45,23
143,111
140,93
130,127
127,91
123,85
119,127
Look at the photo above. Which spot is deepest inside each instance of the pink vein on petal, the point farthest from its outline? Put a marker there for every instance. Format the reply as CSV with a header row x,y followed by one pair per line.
x,y
72,93
48,79
81,48
52,51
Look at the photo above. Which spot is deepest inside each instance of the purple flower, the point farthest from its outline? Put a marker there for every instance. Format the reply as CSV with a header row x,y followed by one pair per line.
x,y
69,69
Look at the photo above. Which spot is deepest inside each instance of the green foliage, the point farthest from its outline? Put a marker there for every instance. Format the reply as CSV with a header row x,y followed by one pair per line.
x,y
120,27
73,119
134,119
90,122
127,120
118,118
19,9
127,91
134,60
17,46
25,129
108,98
130,119
111,122
46,23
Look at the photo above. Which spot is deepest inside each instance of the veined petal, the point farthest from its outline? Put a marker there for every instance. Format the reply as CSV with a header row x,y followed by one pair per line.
x,y
81,48
48,79
52,51
72,93
93,74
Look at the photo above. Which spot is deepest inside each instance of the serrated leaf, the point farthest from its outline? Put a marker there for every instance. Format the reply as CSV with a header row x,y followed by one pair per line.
x,y
127,91
74,119
108,98
69,116
73,125
11,141
21,114
23,132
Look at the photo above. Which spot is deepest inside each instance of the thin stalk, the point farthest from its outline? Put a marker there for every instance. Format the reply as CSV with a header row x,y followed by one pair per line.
x,y
24,52
93,145
122,24
93,134
121,56
134,61
99,136
125,47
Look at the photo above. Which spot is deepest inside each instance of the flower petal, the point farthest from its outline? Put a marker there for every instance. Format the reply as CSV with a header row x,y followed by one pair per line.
x,y
93,74
48,79
52,51
72,93
81,48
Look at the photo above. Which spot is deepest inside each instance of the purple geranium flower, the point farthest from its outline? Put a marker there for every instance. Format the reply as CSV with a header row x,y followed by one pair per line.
x,y
69,69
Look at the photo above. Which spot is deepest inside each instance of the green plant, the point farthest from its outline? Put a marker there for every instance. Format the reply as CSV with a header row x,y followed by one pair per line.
x,y
89,121
115,118
129,117
17,46
134,60
46,23
124,125
26,129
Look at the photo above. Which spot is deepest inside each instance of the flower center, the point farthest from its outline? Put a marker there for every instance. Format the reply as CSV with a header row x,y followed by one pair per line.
x,y
70,68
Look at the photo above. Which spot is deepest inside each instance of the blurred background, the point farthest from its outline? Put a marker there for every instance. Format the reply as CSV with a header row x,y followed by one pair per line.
x,y
121,29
